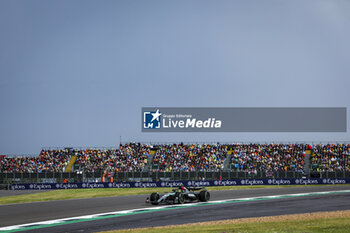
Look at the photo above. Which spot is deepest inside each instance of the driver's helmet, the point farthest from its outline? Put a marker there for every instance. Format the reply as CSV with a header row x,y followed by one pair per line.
x,y
182,187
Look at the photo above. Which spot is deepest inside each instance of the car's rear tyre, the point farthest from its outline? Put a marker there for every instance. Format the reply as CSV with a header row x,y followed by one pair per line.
x,y
204,196
154,198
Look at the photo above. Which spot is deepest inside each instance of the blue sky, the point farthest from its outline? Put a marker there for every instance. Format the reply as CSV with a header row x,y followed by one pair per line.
x,y
76,73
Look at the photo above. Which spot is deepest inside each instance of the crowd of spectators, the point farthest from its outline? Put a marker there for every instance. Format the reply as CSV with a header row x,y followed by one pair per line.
x,y
195,157
129,157
268,157
331,157
183,157
47,161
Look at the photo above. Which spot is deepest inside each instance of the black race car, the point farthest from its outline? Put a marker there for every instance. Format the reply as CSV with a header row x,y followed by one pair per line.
x,y
180,196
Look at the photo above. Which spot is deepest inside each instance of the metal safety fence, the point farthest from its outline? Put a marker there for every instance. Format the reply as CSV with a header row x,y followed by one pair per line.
x,y
60,177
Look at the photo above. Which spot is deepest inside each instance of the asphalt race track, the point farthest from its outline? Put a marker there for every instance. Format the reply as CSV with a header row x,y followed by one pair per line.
x,y
16,214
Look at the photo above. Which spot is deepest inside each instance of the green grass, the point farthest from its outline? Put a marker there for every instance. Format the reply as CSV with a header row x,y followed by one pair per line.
x,y
110,192
317,225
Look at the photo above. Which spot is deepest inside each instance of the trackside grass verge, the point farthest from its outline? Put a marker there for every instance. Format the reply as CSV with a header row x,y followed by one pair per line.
x,y
337,222
110,192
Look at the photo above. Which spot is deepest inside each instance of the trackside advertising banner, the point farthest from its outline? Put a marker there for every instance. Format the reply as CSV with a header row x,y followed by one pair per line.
x,y
234,182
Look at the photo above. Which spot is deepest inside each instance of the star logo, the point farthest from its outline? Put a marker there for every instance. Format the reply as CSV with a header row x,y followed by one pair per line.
x,y
156,115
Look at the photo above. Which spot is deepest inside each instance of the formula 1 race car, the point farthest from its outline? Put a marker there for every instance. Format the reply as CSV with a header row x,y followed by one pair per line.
x,y
180,196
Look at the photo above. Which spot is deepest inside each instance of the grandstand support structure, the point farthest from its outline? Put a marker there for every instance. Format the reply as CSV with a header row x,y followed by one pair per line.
x,y
71,162
307,162
227,162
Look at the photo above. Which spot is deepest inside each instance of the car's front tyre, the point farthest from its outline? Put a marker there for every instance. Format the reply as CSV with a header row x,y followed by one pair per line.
x,y
180,197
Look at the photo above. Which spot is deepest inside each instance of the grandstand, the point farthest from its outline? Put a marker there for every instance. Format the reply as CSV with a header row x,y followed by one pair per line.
x,y
185,161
